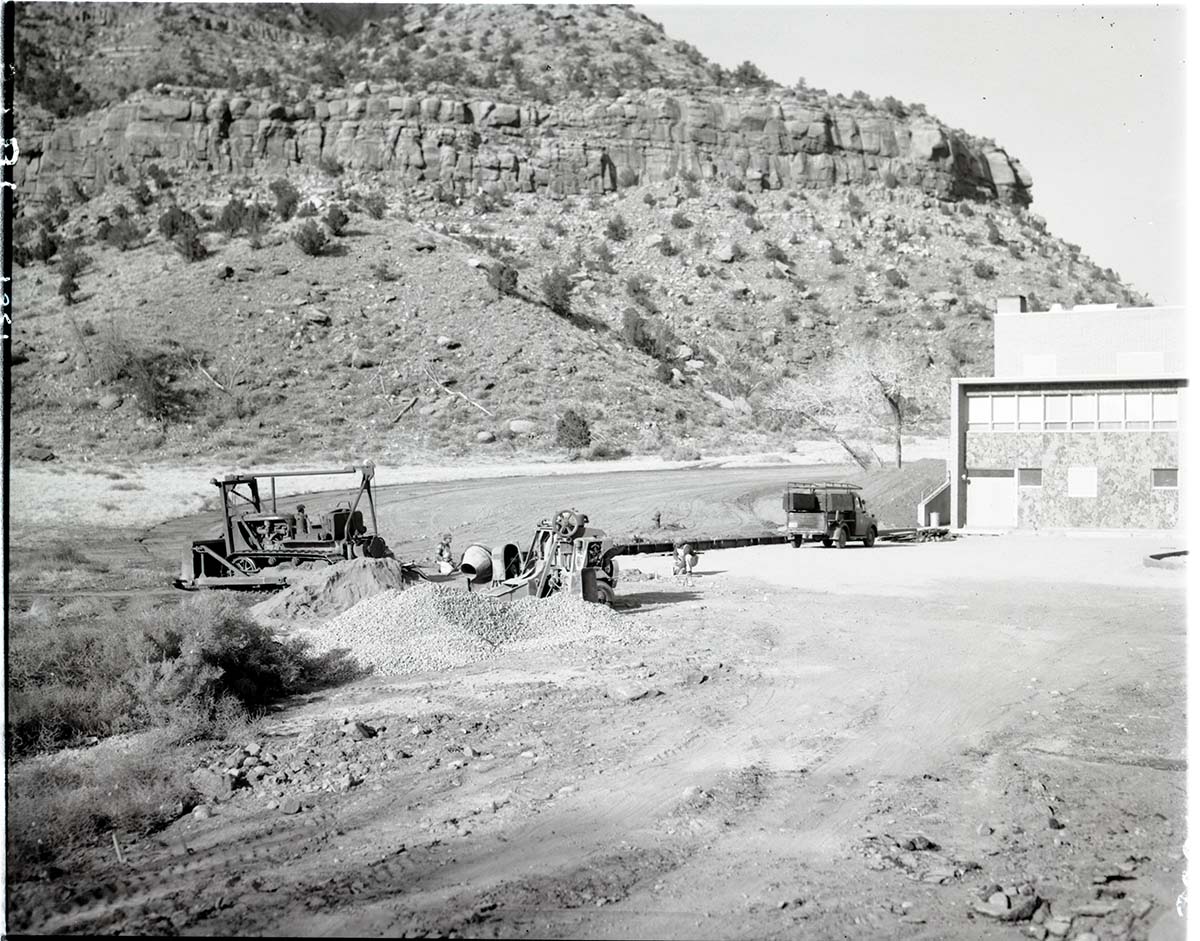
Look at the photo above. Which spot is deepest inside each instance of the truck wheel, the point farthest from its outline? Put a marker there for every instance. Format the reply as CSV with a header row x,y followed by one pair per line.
x,y
797,542
840,538
826,541
870,540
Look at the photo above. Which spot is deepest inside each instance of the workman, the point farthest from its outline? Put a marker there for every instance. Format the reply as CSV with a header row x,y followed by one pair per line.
x,y
445,555
301,521
685,558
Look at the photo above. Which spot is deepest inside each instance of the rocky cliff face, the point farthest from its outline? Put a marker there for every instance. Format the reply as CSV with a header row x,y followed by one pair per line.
x,y
771,141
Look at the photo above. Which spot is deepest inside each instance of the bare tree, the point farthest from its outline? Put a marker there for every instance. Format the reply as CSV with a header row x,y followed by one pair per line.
x,y
891,381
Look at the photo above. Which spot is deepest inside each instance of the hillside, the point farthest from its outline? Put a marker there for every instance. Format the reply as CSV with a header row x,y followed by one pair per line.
x,y
700,241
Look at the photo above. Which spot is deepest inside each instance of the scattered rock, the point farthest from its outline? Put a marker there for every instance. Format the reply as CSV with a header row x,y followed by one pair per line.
x,y
212,784
723,252
318,317
361,359
1058,927
109,401
448,344
253,749
485,437
38,453
279,270
289,805
1020,908
522,426
694,365
628,693
424,245
223,273
361,731
1055,824
201,812
60,356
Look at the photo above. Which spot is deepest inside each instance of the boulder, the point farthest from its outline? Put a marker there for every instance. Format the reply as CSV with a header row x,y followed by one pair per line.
x,y
694,365
212,784
318,317
362,359
724,252
684,352
522,426
60,356
447,343
485,437
109,401
38,453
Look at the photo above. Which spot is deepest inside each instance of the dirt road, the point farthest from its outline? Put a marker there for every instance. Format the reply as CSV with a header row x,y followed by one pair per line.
x,y
754,756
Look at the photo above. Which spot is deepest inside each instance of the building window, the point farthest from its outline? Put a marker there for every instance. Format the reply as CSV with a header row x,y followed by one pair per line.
x,y
1165,478
1081,482
1111,410
1057,409
979,411
1029,413
1166,410
1004,412
1073,411
1083,412
1137,411
1029,476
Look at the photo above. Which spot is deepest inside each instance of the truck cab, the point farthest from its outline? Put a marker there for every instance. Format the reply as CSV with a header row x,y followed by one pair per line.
x,y
831,512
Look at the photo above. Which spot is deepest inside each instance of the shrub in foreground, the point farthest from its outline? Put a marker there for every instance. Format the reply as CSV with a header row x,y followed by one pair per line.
x,y
310,238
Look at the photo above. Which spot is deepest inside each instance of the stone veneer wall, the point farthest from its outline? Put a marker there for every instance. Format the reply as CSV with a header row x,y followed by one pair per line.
x,y
1123,462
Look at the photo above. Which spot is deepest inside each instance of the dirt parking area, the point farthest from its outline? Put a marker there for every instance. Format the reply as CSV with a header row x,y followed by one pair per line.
x,y
854,743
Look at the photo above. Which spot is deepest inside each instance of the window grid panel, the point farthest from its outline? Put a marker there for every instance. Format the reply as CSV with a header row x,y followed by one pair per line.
x,y
1073,411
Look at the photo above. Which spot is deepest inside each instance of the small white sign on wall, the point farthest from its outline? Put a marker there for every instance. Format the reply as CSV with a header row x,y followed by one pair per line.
x,y
1081,481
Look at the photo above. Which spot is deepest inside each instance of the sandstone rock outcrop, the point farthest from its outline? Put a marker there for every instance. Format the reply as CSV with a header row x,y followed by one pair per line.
x,y
769,141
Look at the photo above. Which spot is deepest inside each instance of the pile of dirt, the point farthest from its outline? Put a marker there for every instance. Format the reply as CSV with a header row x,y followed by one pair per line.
x,y
331,589
431,627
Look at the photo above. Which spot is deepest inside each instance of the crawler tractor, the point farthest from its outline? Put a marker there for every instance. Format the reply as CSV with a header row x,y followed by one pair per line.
x,y
259,545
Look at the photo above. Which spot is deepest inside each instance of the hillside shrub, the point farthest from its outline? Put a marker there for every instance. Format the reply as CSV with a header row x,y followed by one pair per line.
x,y
637,286
287,198
679,220
557,287
993,233
617,229
232,217
310,238
503,278
983,270
307,210
737,184
336,219
121,235
836,255
572,431
627,177
668,248
753,224
330,166
895,278
375,205
890,181
742,204
604,258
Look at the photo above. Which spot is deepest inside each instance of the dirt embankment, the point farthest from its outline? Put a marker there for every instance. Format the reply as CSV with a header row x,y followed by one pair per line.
x,y
734,758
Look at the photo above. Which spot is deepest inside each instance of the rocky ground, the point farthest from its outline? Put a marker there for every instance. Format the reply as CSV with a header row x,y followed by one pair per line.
x,y
738,758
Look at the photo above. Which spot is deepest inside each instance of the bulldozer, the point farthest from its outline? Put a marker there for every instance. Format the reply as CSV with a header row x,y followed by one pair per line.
x,y
259,545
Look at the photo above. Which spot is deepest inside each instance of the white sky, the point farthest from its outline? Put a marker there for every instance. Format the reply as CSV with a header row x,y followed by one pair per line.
x,y
1091,99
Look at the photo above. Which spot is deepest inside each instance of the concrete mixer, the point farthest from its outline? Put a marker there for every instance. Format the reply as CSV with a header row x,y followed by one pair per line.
x,y
565,554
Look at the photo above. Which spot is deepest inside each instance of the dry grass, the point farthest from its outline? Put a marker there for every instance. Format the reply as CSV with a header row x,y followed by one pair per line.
x,y
194,667
56,805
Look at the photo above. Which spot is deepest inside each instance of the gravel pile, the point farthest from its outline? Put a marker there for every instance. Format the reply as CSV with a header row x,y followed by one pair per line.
x,y
431,627
326,590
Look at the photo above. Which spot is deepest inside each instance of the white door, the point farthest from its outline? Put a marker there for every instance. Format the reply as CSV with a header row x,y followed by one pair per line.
x,y
991,499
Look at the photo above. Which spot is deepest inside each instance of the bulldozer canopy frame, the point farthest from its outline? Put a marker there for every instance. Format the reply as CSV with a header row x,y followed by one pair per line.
x,y
228,485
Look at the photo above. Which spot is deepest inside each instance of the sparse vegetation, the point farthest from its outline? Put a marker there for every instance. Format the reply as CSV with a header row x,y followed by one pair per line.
x,y
287,198
557,287
572,431
336,219
617,229
310,238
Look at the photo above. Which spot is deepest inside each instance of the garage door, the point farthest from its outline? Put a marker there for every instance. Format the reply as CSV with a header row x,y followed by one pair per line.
x,y
991,498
